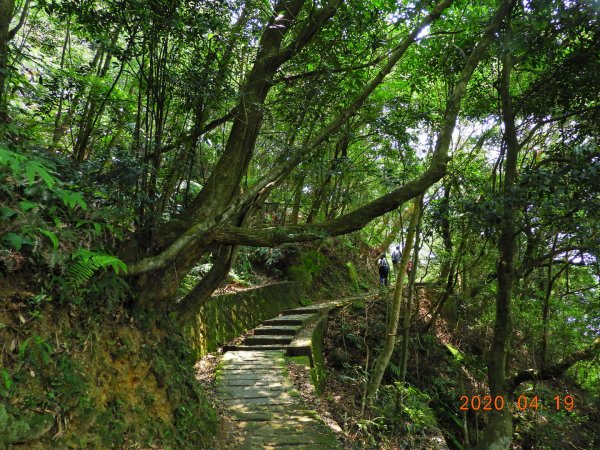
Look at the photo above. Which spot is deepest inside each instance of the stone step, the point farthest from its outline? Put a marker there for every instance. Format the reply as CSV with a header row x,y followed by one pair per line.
x,y
302,310
293,319
247,357
251,348
267,339
277,329
249,366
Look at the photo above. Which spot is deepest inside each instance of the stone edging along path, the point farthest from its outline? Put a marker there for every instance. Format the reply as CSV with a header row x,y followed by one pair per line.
x,y
253,383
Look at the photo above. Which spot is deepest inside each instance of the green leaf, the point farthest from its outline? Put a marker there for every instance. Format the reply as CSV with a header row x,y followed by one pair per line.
x,y
6,212
88,262
12,159
23,347
6,379
16,241
50,235
33,168
72,199
27,205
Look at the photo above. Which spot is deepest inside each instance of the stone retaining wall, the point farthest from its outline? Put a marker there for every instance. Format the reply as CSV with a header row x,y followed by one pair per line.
x,y
226,316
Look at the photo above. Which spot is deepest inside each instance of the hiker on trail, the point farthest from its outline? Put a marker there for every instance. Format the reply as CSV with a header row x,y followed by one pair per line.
x,y
384,269
408,268
396,259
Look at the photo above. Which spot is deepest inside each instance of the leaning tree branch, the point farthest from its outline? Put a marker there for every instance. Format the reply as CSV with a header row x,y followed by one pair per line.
x,y
363,215
265,237
326,71
528,266
12,33
287,164
555,370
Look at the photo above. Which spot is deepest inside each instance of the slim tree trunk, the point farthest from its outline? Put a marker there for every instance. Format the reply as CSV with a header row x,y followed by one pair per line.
x,y
341,148
390,339
410,294
57,120
446,233
297,201
546,308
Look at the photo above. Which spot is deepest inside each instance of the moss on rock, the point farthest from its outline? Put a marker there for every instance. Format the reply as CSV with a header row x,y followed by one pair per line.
x,y
353,274
226,316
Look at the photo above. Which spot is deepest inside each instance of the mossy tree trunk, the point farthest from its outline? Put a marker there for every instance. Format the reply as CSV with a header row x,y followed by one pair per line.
x,y
384,357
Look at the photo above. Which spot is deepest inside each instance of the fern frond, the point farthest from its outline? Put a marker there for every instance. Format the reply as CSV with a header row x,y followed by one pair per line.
x,y
88,263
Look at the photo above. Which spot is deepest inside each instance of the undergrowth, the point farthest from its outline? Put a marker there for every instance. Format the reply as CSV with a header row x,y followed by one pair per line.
x,y
77,368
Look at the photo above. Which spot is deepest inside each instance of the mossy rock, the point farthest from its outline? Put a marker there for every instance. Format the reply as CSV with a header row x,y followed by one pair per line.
x,y
300,274
353,274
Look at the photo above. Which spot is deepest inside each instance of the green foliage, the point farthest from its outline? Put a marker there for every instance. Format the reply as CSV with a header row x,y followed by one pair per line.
x,y
87,262
6,383
104,135
588,376
50,224
32,168
408,407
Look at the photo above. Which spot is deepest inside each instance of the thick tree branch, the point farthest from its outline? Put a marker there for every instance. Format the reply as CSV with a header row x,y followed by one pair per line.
x,y
316,72
555,370
345,224
193,301
363,215
287,163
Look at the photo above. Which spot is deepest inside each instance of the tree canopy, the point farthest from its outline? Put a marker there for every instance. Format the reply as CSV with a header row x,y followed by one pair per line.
x,y
149,137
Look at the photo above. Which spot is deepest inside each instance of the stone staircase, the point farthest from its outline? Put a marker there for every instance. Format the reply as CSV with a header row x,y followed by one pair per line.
x,y
278,333
253,383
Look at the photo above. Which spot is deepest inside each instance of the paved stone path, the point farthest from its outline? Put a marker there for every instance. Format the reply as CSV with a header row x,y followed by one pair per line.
x,y
253,382
266,408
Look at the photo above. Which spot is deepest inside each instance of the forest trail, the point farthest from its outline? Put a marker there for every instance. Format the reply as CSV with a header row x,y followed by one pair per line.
x,y
252,381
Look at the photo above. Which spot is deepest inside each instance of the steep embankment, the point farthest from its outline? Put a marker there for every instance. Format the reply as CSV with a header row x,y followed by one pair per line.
x,y
83,372
88,375
444,364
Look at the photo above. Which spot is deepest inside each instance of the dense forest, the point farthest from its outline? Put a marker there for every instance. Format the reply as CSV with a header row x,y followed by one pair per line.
x,y
151,148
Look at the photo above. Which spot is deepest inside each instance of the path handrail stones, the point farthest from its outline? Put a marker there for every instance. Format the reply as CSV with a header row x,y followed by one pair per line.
x,y
253,382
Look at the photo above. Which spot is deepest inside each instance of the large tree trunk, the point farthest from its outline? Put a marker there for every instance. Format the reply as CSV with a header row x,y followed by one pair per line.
x,y
208,220
6,14
498,432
